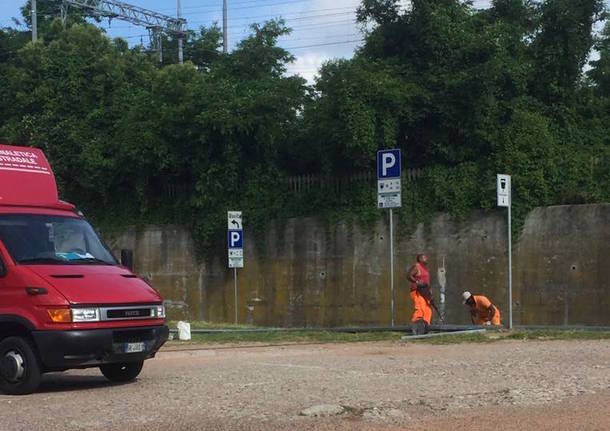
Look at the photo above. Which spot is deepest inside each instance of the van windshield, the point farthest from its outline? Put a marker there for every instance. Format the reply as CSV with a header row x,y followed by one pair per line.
x,y
43,239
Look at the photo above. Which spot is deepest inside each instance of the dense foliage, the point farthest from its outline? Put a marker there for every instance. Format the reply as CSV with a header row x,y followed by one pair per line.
x,y
465,93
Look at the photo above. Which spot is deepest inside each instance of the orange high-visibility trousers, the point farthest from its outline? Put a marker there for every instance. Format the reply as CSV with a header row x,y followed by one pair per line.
x,y
494,320
423,310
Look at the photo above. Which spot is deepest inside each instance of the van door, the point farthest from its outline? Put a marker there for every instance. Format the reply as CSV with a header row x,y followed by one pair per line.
x,y
16,304
7,285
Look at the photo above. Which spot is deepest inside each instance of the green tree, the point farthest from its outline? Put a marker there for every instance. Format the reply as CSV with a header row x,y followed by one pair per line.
x,y
358,108
67,97
561,47
465,93
49,11
11,41
600,69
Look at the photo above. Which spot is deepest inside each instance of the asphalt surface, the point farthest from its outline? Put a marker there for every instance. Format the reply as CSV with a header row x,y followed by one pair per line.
x,y
554,385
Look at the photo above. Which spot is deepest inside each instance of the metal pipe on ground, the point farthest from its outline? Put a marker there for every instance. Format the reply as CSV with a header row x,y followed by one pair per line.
x,y
433,328
259,330
444,334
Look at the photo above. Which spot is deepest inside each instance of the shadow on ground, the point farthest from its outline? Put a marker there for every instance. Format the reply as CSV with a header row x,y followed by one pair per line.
x,y
61,382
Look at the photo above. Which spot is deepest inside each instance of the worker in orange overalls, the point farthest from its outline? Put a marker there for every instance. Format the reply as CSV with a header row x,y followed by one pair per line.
x,y
421,296
482,311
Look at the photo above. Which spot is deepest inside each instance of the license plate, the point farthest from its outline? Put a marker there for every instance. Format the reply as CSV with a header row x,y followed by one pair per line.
x,y
134,347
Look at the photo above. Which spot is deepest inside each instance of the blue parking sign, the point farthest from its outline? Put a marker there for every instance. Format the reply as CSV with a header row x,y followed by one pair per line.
x,y
235,239
388,163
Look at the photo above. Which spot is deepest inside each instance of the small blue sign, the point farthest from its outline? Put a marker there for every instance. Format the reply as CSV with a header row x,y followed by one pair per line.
x,y
236,239
388,164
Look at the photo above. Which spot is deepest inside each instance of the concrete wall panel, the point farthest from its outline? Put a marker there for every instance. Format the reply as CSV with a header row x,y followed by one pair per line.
x,y
314,275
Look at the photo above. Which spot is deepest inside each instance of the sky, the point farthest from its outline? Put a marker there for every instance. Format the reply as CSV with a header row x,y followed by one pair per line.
x,y
322,29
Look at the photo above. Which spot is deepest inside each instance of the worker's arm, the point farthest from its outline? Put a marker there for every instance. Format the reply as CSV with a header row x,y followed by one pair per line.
x,y
473,314
413,274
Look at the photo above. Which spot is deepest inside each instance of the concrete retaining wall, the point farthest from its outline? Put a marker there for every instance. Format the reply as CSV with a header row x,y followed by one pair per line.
x,y
314,275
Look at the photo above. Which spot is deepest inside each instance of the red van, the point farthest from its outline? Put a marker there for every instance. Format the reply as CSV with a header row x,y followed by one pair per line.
x,y
65,301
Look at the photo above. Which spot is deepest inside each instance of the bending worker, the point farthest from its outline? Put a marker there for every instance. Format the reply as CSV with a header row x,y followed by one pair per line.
x,y
482,311
419,277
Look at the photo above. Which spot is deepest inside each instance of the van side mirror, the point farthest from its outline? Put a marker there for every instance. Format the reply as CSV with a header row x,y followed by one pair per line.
x,y
127,259
2,268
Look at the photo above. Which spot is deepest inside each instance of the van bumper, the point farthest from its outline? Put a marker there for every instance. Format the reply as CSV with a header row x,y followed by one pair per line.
x,y
62,350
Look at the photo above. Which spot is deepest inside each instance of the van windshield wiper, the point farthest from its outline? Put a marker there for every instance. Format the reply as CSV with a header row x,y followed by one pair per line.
x,y
90,260
43,260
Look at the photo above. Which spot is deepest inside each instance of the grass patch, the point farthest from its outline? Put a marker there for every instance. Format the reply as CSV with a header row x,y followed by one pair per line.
x,y
309,336
554,334
201,324
293,337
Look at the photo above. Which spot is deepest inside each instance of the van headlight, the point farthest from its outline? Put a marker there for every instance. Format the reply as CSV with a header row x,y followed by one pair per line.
x,y
160,312
85,314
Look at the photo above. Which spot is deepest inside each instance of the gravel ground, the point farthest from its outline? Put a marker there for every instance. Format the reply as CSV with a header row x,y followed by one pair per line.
x,y
555,385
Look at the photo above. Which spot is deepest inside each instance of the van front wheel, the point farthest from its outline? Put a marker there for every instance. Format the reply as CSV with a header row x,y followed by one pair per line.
x,y
122,372
19,369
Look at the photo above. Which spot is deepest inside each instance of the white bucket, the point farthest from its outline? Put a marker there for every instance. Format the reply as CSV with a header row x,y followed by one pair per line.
x,y
184,331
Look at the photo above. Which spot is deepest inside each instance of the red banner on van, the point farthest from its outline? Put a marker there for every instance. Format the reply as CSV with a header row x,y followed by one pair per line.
x,y
26,177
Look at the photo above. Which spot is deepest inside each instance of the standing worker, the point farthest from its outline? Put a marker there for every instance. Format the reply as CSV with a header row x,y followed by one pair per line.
x,y
482,311
421,296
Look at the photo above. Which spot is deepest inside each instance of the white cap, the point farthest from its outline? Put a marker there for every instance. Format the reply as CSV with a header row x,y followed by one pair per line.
x,y
465,296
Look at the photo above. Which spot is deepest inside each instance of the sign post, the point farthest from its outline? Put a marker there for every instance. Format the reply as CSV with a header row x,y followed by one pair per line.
x,y
389,196
504,200
235,245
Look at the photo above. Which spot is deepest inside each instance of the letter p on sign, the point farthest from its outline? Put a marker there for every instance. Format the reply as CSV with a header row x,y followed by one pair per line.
x,y
388,164
388,161
236,239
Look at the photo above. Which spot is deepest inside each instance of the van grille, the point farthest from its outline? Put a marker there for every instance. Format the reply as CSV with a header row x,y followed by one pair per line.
x,y
127,313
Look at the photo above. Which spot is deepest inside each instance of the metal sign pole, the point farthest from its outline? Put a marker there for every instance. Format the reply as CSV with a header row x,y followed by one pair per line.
x,y
389,196
391,270
505,200
235,245
235,294
510,271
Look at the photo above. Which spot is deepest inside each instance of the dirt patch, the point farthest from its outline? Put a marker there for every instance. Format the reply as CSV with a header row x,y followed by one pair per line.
x,y
558,385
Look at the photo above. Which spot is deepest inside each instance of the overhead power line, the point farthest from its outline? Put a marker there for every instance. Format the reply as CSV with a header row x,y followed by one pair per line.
x,y
343,42
288,17
249,5
134,14
156,23
277,15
